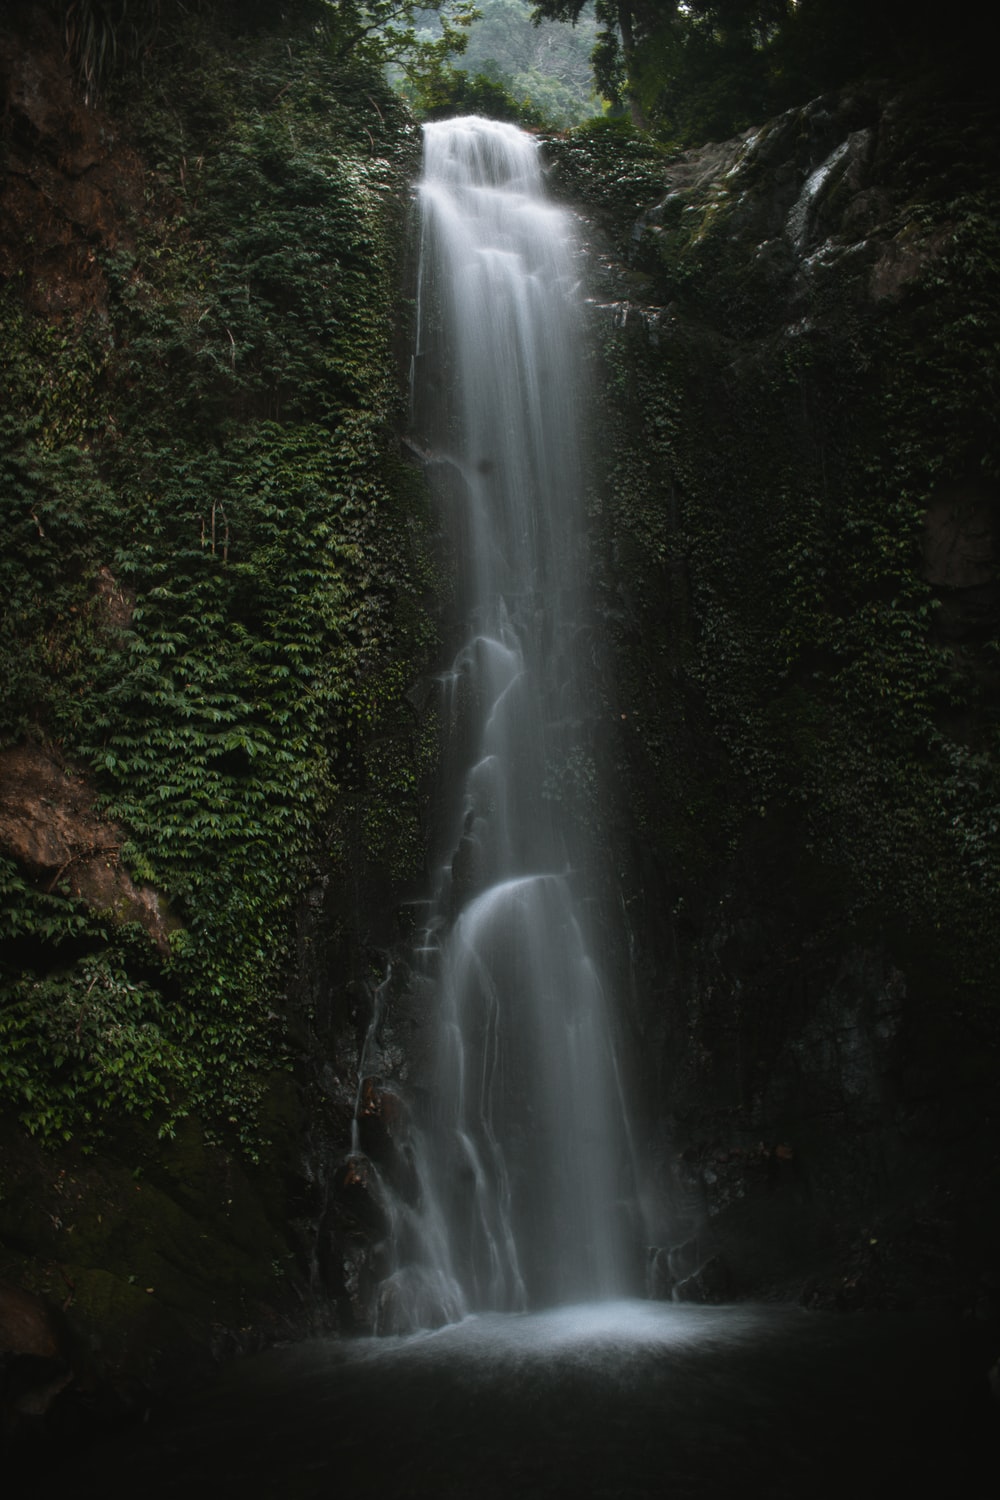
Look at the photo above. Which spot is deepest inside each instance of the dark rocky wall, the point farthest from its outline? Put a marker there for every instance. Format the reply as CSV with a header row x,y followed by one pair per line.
x,y
797,564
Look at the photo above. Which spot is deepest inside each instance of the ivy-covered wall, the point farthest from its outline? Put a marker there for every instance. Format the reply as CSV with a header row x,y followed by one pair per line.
x,y
214,577
798,571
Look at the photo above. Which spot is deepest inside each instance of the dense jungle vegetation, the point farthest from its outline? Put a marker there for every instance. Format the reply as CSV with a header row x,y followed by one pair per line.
x,y
210,578
696,70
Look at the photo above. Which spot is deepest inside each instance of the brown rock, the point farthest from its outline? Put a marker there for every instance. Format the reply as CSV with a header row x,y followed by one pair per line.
x,y
29,1325
959,539
49,825
68,183
904,260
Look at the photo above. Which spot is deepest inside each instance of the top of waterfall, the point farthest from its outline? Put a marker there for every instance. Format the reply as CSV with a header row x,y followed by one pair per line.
x,y
473,149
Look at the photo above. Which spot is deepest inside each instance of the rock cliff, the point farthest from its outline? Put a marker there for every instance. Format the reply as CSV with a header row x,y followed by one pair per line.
x,y
798,567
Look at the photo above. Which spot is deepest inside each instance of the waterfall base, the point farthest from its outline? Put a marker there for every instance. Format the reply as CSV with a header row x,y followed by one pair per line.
x,y
605,1400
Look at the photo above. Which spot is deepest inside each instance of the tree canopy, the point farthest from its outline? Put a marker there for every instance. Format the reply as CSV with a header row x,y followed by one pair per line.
x,y
691,69
105,35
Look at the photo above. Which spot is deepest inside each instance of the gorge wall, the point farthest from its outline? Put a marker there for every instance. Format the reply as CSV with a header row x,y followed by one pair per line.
x,y
224,599
798,569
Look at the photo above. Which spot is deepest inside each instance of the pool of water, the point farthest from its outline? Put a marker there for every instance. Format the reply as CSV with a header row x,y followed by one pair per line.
x,y
618,1399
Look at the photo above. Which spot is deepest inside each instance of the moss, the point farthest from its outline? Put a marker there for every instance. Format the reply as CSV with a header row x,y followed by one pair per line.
x,y
155,1252
610,167
774,453
207,440
217,441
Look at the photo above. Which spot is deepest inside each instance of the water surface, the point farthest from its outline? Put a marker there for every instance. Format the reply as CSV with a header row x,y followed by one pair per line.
x,y
620,1399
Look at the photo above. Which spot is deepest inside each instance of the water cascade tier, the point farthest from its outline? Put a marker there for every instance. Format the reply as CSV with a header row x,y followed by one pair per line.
x,y
520,1174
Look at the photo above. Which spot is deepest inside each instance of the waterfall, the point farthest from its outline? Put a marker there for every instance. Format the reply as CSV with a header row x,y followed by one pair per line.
x,y
521,1180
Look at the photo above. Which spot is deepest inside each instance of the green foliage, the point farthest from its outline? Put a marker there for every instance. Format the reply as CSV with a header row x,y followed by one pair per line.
x,y
546,64
513,68
109,41
85,1037
53,507
381,32
38,916
86,1043
209,568
705,69
611,165
444,92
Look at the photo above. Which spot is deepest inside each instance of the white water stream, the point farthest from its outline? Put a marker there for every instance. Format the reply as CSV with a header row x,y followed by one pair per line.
x,y
523,1158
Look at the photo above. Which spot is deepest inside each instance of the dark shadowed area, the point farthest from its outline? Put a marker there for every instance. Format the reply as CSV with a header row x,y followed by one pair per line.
x,y
606,1400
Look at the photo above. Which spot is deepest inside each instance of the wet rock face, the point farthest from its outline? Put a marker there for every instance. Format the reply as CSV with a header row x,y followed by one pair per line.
x,y
781,1068
796,329
69,184
960,559
30,1326
804,200
37,1357
48,824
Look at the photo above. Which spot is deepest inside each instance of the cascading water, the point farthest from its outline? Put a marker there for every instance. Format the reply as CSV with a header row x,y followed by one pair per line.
x,y
521,1171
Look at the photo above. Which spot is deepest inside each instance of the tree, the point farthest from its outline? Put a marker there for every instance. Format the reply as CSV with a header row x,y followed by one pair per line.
x,y
545,67
390,31
703,69
104,36
623,27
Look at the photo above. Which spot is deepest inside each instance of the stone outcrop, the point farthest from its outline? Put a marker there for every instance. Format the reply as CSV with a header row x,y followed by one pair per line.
x,y
48,823
70,182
